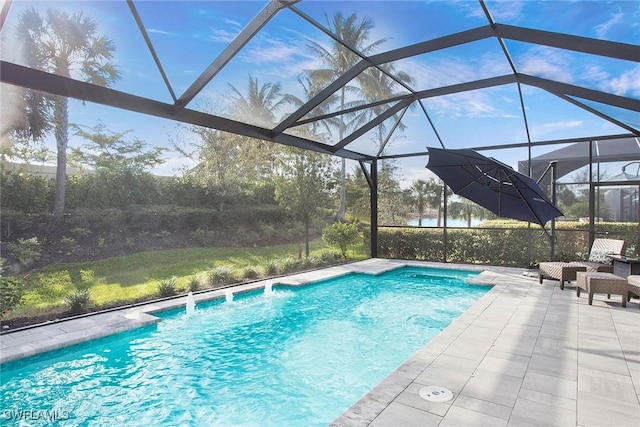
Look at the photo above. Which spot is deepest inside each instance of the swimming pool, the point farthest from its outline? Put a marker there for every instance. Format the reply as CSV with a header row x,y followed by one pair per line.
x,y
300,356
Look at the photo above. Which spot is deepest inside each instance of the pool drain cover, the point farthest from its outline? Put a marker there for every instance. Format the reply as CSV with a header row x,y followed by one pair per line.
x,y
435,393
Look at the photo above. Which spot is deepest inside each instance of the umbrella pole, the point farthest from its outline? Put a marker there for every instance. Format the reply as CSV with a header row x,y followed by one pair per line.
x,y
554,200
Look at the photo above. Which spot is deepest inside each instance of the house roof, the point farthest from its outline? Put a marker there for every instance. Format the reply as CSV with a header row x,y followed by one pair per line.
x,y
575,156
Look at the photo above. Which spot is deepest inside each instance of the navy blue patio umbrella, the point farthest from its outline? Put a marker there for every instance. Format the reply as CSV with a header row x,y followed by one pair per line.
x,y
492,184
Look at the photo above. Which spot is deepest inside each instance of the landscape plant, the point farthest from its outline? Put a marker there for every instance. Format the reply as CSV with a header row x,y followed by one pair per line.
x,y
341,234
168,287
11,291
78,300
26,251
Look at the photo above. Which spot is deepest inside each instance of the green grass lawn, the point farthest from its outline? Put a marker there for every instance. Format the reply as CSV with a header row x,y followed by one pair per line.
x,y
132,278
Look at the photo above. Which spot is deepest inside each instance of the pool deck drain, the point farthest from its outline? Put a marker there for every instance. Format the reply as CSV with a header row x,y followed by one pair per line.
x,y
523,354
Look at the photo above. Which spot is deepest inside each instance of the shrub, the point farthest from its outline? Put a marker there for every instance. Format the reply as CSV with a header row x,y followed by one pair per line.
x,y
193,284
271,268
26,251
129,243
250,273
67,241
79,231
290,264
168,287
330,257
222,275
203,236
11,291
341,234
78,300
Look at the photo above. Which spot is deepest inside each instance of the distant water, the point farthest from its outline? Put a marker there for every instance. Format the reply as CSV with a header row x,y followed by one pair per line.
x,y
433,222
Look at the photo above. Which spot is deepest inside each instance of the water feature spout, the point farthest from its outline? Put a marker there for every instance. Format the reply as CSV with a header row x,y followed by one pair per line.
x,y
268,289
191,303
228,295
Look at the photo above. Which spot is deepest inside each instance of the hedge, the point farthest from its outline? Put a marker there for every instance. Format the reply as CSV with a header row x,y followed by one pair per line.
x,y
508,243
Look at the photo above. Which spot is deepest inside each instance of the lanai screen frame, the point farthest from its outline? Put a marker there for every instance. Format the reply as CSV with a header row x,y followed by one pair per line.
x,y
18,75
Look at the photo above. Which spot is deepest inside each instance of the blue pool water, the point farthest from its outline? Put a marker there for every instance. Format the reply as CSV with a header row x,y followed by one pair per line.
x,y
298,357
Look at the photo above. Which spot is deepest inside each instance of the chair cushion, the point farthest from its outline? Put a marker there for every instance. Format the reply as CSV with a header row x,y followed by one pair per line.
x,y
600,255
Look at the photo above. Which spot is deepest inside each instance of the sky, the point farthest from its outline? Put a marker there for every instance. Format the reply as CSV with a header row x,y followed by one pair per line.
x,y
189,35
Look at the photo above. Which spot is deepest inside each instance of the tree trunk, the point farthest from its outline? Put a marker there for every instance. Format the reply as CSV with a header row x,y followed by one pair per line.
x,y
342,209
306,235
61,120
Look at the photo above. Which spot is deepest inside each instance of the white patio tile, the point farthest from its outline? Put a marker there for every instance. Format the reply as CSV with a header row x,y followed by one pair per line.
x,y
397,414
531,413
550,385
458,416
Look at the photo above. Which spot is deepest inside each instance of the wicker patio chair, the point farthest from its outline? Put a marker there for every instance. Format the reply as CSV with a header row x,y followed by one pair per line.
x,y
597,282
634,286
598,261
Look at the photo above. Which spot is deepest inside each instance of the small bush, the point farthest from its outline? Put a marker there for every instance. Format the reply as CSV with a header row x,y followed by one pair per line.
x,y
222,275
271,268
341,234
11,291
203,236
330,257
78,300
102,241
129,243
81,232
68,241
193,284
290,264
168,287
250,273
26,251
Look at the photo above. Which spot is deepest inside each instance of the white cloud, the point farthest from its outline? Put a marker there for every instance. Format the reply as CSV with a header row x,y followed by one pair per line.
x,y
506,10
546,62
156,31
232,22
221,35
603,29
548,128
628,84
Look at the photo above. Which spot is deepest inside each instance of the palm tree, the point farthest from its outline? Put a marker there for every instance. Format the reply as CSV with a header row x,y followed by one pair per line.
x,y
317,129
338,59
435,195
466,209
377,85
259,105
66,45
419,189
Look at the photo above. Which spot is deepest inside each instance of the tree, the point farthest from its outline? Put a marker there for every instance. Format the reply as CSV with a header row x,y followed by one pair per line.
x,y
435,195
393,203
303,185
338,59
341,234
67,45
258,105
467,210
121,166
219,168
377,85
419,190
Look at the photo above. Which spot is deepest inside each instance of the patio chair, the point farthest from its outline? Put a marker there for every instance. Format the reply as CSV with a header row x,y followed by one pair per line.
x,y
634,286
598,261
